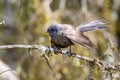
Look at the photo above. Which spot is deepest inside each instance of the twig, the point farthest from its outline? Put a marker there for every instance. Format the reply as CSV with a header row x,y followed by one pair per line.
x,y
47,60
20,46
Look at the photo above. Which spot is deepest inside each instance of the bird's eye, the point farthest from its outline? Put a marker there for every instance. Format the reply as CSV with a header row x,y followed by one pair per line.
x,y
52,29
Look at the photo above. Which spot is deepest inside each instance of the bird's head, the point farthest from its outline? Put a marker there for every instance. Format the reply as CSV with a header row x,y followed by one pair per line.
x,y
54,28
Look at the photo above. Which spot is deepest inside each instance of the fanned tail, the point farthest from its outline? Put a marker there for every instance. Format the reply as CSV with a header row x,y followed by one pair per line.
x,y
94,25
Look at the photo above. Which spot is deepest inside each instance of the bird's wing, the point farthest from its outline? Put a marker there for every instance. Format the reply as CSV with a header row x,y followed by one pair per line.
x,y
94,25
78,38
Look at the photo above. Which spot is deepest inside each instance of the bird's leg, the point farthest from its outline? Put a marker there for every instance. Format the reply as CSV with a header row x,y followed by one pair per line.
x,y
70,53
55,49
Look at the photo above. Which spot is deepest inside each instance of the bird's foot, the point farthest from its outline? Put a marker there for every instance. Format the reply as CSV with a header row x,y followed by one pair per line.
x,y
56,50
70,53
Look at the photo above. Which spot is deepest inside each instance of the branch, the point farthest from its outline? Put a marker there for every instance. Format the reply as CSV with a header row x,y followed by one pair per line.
x,y
6,73
99,63
19,46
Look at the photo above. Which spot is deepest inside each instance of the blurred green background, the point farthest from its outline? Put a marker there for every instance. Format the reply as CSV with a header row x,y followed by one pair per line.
x,y
27,22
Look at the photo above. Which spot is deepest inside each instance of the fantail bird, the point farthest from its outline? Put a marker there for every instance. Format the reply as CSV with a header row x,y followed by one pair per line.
x,y
64,35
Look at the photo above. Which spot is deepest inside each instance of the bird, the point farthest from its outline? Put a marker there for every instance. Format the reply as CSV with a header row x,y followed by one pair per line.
x,y
65,35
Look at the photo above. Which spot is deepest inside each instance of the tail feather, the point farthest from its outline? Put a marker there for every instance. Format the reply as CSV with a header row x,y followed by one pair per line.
x,y
94,25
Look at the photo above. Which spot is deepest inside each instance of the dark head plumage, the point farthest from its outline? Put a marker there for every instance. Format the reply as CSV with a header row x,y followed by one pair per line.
x,y
54,28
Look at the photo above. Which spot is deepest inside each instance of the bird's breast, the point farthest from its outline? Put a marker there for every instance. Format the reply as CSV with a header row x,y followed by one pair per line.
x,y
60,41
